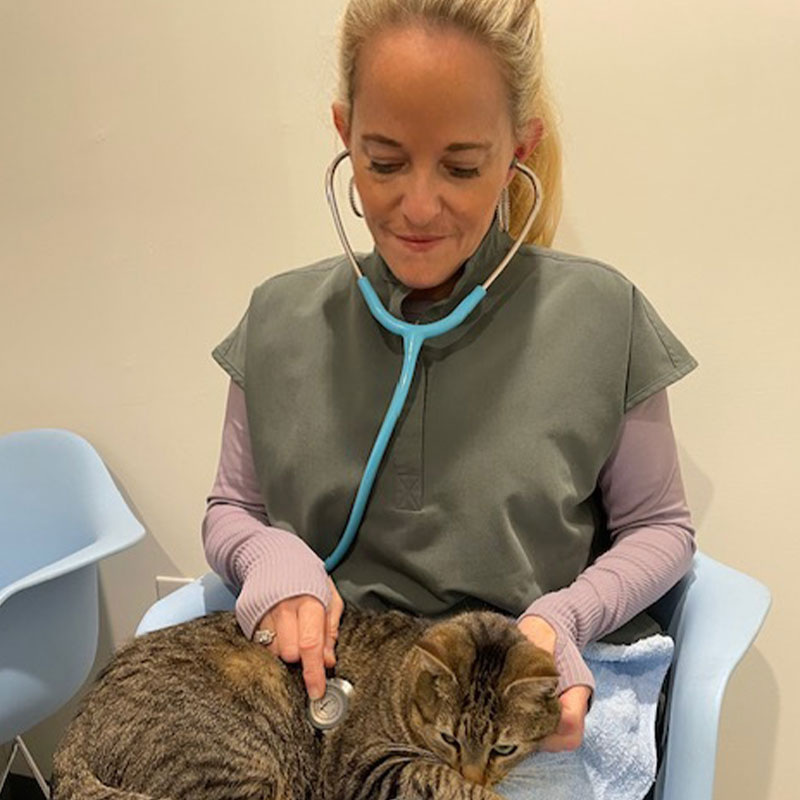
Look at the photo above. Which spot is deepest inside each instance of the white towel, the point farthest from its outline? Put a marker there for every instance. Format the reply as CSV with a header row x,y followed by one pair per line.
x,y
617,760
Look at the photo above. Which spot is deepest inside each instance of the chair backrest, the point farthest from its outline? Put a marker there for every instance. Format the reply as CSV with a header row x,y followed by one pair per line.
x,y
60,513
42,478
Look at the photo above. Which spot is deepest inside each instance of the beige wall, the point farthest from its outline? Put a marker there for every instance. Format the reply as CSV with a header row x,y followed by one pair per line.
x,y
158,159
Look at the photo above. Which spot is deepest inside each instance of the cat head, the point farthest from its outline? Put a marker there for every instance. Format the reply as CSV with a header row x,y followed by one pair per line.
x,y
482,696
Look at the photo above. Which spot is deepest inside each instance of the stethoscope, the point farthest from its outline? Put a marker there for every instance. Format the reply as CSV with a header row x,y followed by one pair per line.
x,y
414,336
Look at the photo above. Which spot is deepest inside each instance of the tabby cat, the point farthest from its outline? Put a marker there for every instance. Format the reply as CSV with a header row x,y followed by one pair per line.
x,y
439,710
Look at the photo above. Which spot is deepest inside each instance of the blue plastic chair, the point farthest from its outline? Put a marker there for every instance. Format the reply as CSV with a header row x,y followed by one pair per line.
x,y
713,615
60,513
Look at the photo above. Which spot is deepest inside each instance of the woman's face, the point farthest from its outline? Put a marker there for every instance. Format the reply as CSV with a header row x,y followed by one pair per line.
x,y
431,141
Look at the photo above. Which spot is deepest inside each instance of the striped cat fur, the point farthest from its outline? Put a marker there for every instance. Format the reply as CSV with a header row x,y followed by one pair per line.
x,y
441,711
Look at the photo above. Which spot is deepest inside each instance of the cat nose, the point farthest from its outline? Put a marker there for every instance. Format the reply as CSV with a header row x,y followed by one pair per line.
x,y
474,773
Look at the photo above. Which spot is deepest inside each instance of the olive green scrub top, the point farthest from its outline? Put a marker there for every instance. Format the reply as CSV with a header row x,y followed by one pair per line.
x,y
487,493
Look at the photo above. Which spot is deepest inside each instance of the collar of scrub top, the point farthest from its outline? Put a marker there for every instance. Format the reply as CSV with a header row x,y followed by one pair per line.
x,y
476,269
414,336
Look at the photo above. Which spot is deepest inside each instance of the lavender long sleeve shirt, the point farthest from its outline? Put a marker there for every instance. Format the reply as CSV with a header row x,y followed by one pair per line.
x,y
647,515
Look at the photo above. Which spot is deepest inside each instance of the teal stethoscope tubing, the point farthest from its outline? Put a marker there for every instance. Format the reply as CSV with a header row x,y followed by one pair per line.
x,y
414,336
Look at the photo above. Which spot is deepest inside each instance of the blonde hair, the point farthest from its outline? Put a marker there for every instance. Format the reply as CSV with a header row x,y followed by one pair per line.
x,y
511,29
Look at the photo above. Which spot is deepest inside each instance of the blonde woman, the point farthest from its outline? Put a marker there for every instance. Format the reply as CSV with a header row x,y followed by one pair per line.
x,y
534,469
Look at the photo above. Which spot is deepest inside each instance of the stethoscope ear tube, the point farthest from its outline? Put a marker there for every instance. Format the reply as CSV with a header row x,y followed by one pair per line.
x,y
330,194
413,337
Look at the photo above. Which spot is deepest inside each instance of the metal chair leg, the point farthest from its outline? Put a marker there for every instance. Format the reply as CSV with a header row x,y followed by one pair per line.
x,y
19,745
7,767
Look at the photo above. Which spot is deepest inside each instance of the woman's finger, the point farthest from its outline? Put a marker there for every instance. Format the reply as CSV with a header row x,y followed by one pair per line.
x,y
569,734
311,640
332,619
285,616
267,623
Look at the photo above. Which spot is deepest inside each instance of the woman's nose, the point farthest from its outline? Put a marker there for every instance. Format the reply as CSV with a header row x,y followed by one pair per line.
x,y
421,202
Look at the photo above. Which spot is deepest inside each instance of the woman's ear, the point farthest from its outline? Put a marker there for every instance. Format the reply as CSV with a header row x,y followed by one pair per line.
x,y
341,119
531,136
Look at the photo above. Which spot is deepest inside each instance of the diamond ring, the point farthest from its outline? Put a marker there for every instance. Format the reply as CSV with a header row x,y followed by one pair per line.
x,y
265,637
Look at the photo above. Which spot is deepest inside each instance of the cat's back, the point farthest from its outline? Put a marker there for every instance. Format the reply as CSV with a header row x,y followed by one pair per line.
x,y
201,667
374,643
183,708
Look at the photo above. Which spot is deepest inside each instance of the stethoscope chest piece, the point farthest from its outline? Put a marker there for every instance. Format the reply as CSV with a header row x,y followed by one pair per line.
x,y
330,709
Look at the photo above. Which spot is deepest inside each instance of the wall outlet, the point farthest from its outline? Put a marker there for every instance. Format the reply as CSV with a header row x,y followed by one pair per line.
x,y
165,584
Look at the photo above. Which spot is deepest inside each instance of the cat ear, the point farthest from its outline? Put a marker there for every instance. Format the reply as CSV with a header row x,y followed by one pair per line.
x,y
528,664
531,692
445,649
431,659
433,679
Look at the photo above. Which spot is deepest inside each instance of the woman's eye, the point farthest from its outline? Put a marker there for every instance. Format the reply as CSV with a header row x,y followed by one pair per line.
x,y
389,167
504,749
464,172
384,167
451,740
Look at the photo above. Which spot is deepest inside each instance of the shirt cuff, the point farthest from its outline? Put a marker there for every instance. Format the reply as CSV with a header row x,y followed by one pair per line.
x,y
275,571
572,669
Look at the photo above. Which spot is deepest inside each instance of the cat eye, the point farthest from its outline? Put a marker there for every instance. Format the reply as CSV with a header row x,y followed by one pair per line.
x,y
451,740
504,749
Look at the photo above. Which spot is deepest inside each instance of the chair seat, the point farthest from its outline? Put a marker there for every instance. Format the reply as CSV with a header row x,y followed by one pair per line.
x,y
203,596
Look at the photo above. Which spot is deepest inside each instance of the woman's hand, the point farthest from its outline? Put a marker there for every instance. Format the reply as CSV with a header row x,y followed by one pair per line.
x,y
569,734
540,632
306,631
574,701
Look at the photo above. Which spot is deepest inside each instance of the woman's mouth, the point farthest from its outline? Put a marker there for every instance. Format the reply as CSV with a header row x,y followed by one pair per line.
x,y
419,243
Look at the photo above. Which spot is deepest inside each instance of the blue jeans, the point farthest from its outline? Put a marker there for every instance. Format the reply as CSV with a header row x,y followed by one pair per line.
x,y
547,776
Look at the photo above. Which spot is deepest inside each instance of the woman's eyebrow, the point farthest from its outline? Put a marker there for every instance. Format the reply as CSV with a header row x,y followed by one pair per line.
x,y
380,139
458,146
455,147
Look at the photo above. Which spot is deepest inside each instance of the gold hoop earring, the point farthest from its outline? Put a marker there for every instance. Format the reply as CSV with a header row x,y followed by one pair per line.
x,y
351,192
